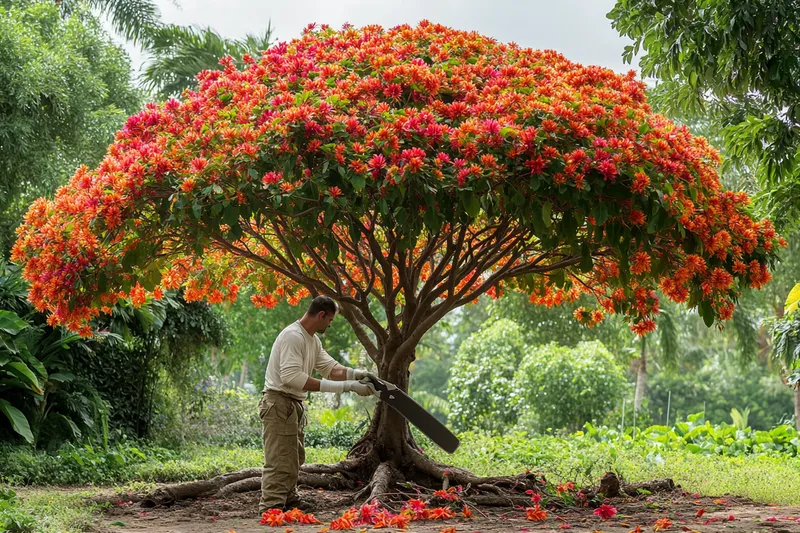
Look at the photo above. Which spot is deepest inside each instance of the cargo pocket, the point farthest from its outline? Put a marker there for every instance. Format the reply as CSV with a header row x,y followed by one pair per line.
x,y
264,409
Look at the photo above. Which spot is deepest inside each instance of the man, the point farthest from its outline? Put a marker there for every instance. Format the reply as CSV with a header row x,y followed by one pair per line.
x,y
296,353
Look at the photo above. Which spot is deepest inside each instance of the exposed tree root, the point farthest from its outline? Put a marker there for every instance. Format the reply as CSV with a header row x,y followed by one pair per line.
x,y
335,476
612,487
386,481
169,494
458,476
381,483
321,481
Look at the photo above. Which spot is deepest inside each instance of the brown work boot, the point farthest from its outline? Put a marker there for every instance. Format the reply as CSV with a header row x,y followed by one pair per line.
x,y
303,505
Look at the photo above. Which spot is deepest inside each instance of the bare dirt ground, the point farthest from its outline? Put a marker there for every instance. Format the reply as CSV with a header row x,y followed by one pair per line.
x,y
239,514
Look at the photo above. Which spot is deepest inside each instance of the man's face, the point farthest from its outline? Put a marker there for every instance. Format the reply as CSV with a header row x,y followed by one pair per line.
x,y
324,320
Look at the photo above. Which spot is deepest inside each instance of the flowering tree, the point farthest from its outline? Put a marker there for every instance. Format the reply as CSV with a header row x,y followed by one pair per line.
x,y
414,168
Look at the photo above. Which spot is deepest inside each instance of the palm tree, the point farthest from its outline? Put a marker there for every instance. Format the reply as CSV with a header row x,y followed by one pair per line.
x,y
180,53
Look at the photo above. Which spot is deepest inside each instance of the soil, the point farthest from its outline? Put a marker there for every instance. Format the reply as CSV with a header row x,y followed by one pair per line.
x,y
239,514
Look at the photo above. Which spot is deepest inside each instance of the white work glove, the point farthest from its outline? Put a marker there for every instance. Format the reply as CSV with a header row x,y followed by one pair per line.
x,y
362,389
358,374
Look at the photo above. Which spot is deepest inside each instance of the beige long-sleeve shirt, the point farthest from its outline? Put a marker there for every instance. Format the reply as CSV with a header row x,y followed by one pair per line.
x,y
295,354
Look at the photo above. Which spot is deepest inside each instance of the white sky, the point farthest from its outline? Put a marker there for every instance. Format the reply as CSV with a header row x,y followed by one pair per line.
x,y
578,29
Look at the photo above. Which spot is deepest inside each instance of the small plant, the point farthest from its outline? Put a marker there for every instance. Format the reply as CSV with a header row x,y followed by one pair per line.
x,y
12,518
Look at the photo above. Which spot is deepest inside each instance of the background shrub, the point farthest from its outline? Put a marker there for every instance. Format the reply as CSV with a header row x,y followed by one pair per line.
x,y
561,388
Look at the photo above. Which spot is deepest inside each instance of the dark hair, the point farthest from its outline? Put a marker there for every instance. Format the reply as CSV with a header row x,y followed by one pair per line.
x,y
322,303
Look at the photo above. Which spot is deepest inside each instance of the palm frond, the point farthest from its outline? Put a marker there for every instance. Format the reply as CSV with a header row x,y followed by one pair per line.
x,y
136,20
180,53
432,402
668,339
746,328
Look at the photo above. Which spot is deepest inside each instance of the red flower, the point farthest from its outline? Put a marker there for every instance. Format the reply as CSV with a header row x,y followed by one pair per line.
x,y
271,178
606,511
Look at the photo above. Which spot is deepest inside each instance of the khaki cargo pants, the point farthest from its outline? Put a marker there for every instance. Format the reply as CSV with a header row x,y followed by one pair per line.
x,y
283,420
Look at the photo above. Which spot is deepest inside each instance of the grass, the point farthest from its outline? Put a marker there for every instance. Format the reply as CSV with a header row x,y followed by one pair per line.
x,y
760,478
57,511
773,480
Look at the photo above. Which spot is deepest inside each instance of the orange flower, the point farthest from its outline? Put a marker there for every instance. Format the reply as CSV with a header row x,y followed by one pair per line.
x,y
399,521
640,182
138,296
341,524
662,524
441,513
273,518
536,513
640,263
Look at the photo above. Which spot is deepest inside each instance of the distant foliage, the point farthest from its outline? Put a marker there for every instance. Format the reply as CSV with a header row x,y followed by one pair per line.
x,y
481,392
562,387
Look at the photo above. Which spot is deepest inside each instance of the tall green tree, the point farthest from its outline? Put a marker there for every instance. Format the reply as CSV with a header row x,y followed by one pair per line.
x,y
735,63
734,66
65,88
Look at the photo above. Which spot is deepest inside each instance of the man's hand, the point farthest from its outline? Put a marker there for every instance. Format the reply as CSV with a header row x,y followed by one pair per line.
x,y
360,388
359,375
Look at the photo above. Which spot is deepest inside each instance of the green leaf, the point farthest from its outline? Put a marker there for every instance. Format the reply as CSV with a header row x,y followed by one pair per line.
x,y
600,214
472,205
18,421
586,263
11,323
432,220
707,312
22,371
358,182
547,214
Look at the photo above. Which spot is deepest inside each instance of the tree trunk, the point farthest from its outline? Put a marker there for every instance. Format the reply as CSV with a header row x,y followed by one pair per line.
x,y
389,436
243,375
797,407
641,378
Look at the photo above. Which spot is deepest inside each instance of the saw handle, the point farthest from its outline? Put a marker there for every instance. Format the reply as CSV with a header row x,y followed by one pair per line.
x,y
379,385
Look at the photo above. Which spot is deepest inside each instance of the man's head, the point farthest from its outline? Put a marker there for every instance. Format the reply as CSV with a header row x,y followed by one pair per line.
x,y
320,314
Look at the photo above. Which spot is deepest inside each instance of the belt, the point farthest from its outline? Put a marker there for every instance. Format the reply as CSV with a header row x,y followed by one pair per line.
x,y
284,394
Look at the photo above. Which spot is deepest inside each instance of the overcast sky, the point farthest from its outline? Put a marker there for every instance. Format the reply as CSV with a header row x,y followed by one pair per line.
x,y
578,29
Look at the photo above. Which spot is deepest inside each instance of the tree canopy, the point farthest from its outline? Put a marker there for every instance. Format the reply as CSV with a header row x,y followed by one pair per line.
x,y
419,166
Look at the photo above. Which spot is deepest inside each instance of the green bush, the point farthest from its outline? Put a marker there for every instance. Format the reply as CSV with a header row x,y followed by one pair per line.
x,y
481,392
562,388
12,518
342,434
71,464
41,399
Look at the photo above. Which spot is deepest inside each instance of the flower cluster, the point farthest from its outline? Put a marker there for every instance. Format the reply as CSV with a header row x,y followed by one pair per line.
x,y
378,517
302,166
